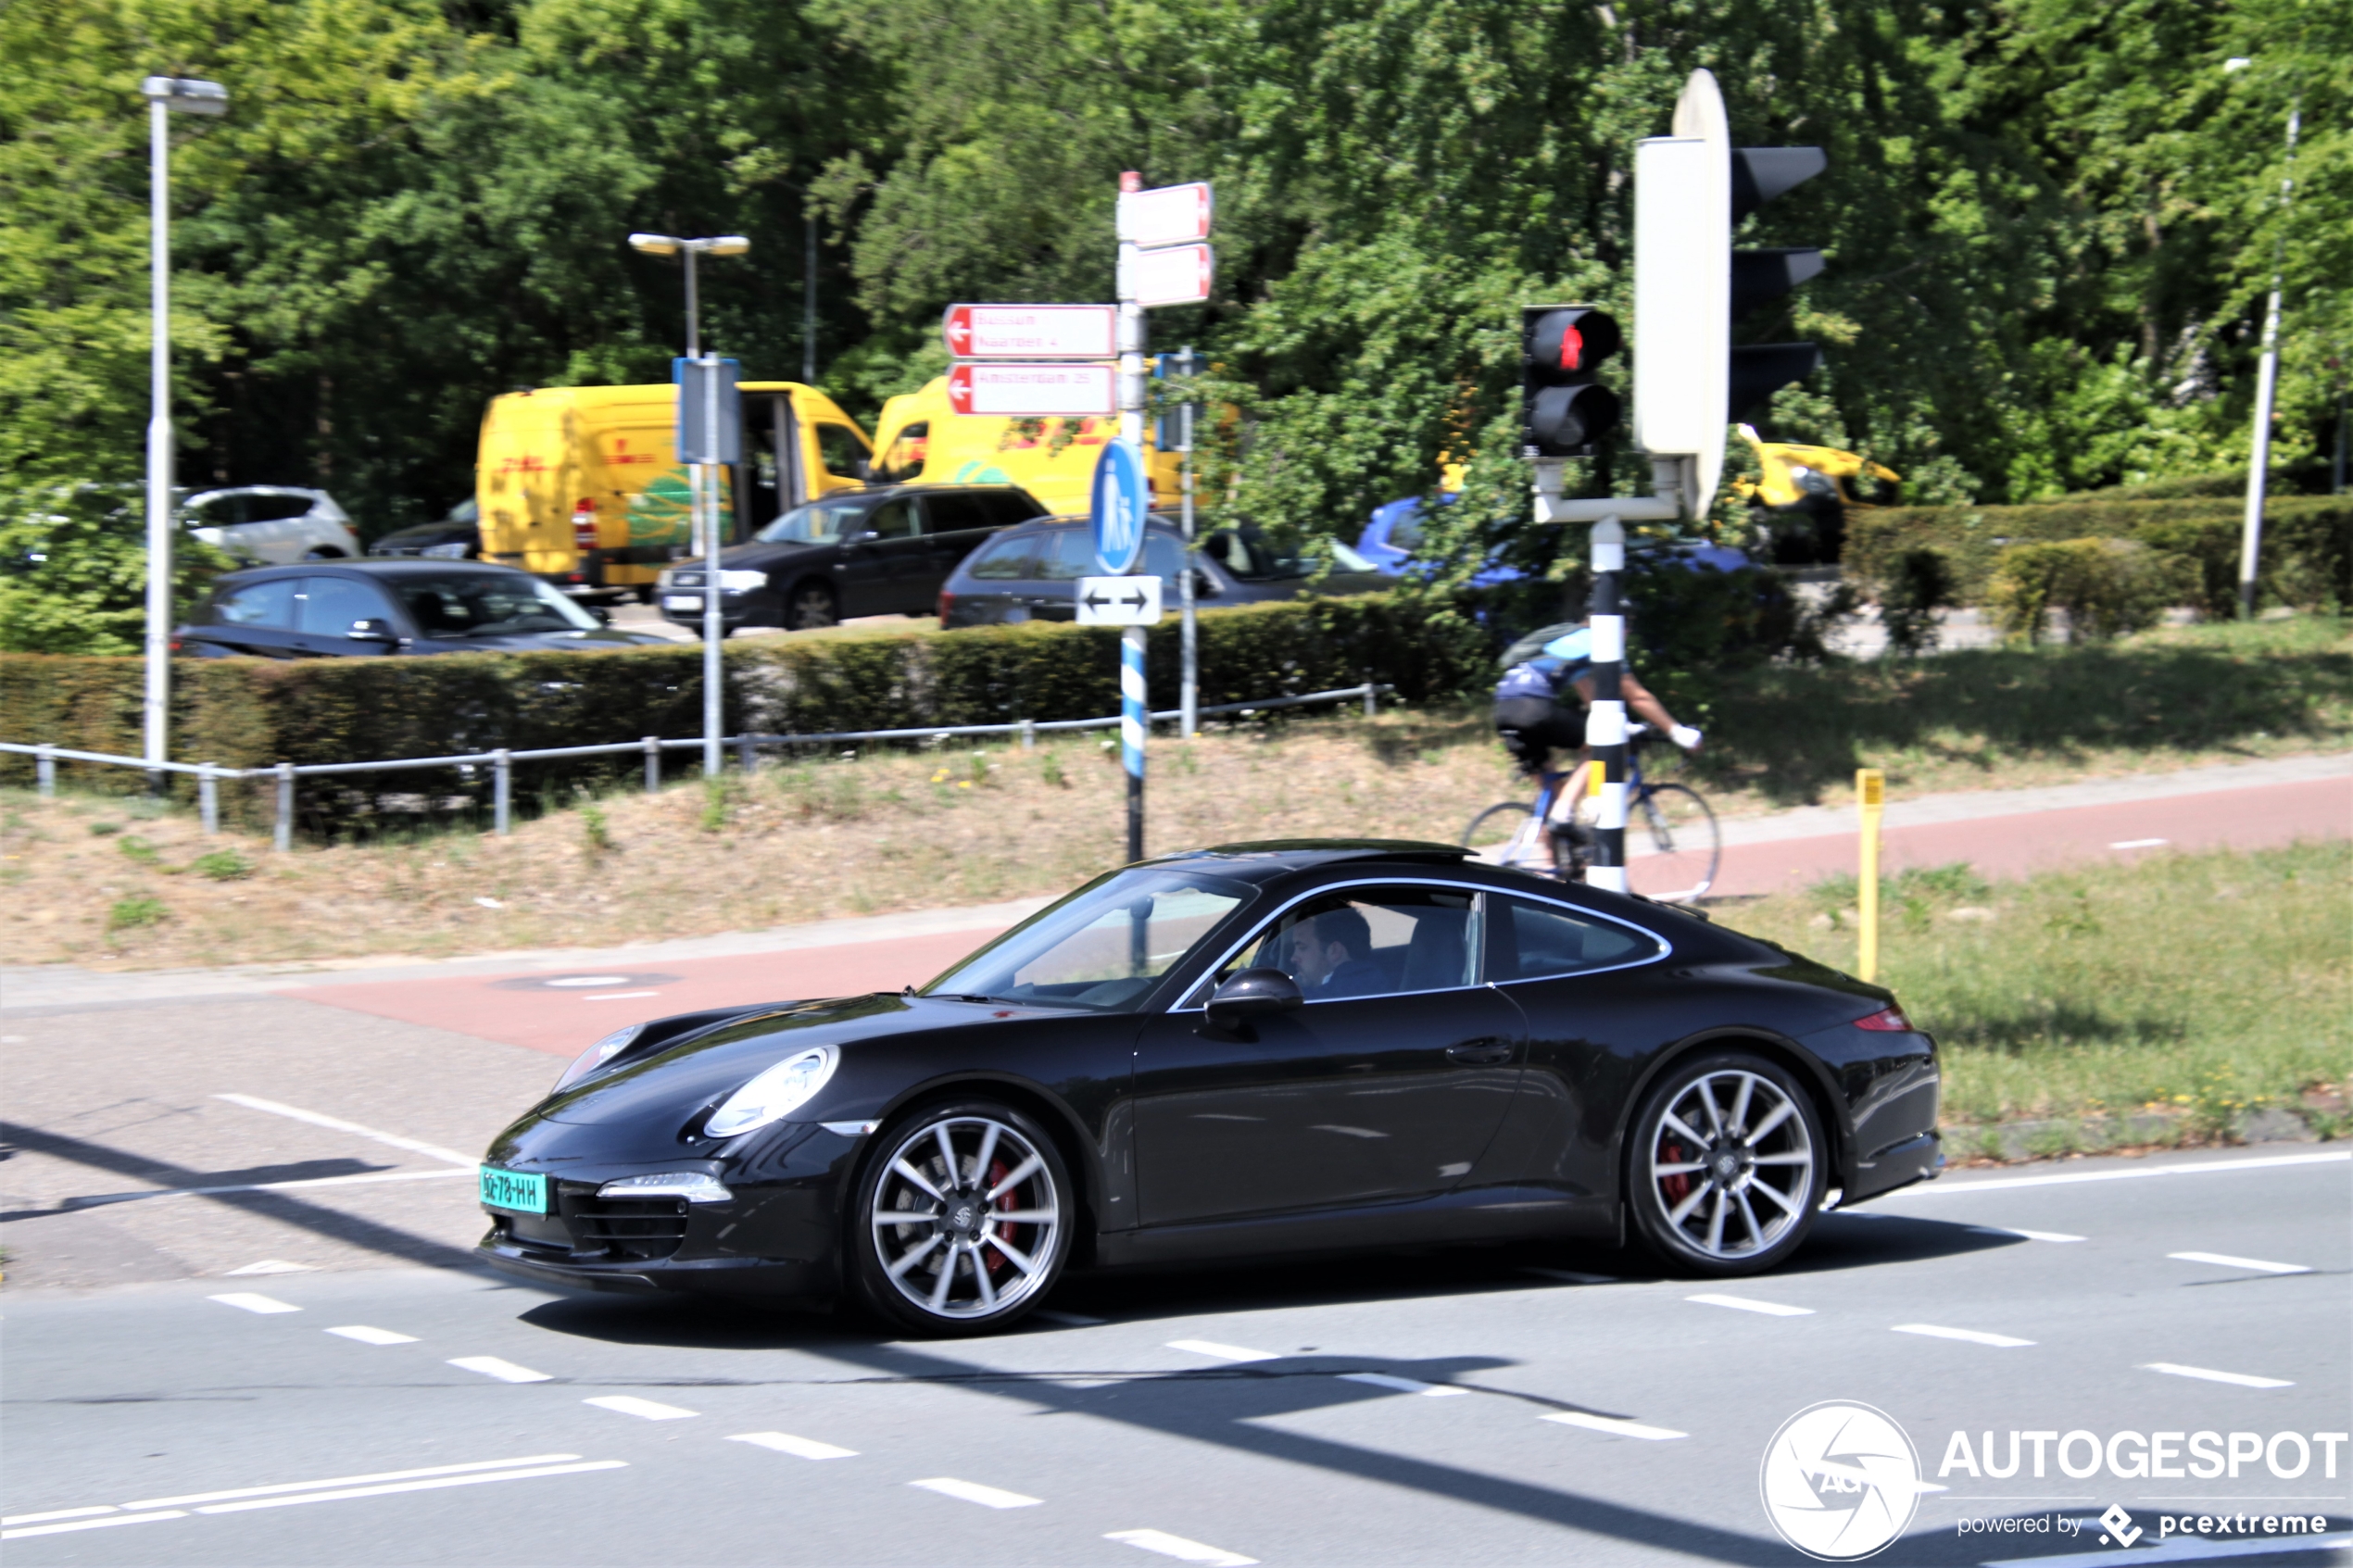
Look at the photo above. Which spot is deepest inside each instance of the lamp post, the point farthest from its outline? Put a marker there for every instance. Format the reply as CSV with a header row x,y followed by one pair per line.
x,y
164,96
2265,380
702,490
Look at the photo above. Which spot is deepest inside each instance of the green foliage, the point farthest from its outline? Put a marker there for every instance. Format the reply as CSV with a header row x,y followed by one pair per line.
x,y
128,914
2107,588
73,570
596,833
1919,584
138,850
221,865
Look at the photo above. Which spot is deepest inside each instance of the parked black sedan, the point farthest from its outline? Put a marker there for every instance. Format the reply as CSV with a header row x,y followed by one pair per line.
x,y
385,606
1029,573
1282,1048
882,551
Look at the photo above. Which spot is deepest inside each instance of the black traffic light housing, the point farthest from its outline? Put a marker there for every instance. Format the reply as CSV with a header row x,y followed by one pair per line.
x,y
1759,277
1563,410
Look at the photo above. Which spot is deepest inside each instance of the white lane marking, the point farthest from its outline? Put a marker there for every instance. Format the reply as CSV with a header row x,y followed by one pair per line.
x,y
2209,1374
1571,1276
2267,1162
1401,1385
337,1125
1068,1320
2190,1549
1968,1335
1616,1427
1215,1352
617,996
2138,843
2226,1261
191,1499
647,1409
799,1448
973,1491
102,1198
367,1335
1744,1304
2031,1235
505,1372
91,1523
585,982
274,1266
1181,1549
252,1302
60,1513
417,1485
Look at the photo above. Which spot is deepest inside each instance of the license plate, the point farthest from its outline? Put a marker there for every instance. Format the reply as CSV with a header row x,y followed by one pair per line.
x,y
682,601
514,1190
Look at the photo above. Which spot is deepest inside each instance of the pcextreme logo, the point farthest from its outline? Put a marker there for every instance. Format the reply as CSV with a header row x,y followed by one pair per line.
x,y
1841,1480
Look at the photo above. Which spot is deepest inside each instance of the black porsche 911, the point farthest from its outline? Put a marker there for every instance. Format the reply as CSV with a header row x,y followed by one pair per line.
x,y
1262,1048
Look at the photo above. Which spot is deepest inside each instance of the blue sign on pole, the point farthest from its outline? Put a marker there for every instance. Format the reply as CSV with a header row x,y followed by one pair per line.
x,y
1120,501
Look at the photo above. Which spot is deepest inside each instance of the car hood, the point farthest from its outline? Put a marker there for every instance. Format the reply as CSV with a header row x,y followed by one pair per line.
x,y
761,556
602,637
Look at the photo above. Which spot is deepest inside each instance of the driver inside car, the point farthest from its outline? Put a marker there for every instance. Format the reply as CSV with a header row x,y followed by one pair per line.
x,y
1330,956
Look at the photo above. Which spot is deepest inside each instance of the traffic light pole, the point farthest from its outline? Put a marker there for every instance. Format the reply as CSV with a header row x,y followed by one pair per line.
x,y
1606,721
1134,710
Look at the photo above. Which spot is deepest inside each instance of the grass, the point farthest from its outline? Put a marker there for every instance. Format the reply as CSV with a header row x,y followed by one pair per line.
x,y
2196,985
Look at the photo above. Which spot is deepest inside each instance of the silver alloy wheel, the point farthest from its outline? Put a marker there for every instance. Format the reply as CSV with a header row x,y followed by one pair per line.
x,y
964,1218
1731,1165
811,607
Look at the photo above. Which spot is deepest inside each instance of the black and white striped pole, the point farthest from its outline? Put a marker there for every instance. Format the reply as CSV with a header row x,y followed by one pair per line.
x,y
1606,721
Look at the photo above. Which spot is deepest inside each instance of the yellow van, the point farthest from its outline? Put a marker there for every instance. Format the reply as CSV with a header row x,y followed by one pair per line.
x,y
581,486
923,440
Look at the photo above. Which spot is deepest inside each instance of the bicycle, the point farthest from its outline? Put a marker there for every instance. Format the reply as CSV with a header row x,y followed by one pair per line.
x,y
1673,846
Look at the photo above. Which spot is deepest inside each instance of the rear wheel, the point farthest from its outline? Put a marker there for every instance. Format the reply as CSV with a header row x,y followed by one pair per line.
x,y
962,1219
810,606
1726,1165
1673,845
1503,830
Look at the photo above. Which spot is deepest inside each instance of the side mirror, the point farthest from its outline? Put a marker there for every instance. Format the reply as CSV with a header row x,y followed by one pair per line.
x,y
372,631
870,534
1254,993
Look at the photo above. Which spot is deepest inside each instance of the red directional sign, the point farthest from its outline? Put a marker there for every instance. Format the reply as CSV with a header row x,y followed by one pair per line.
x,y
1031,391
1173,215
1031,331
1178,275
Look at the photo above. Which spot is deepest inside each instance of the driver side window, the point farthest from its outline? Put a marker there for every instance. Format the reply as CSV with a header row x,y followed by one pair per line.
x,y
1367,942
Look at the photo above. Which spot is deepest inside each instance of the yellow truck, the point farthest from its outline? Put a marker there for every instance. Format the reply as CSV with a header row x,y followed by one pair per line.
x,y
922,439
582,487
1801,495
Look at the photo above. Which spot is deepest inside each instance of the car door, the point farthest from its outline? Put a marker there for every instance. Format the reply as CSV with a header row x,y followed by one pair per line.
x,y
1386,1086
254,618
326,609
883,564
955,524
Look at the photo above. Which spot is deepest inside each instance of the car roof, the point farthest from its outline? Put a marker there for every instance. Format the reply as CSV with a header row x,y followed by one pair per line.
x,y
1271,856
373,567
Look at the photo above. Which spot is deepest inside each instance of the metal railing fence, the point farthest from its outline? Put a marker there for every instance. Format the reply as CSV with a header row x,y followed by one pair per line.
x,y
502,760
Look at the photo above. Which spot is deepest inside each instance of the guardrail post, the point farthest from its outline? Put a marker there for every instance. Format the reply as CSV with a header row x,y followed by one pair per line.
x,y
44,769
208,799
653,764
283,838
747,759
1028,734
502,781
1372,706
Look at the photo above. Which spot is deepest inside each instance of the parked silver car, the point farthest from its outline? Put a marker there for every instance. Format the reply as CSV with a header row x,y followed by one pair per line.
x,y
271,524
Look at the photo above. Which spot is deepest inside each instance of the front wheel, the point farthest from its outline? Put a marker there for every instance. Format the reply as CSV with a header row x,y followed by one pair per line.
x,y
1726,1165
810,607
963,1220
1673,845
1507,829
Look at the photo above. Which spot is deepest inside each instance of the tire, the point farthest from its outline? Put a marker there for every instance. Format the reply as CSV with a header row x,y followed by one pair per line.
x,y
895,1267
1725,1165
644,592
1498,826
1685,845
323,553
810,606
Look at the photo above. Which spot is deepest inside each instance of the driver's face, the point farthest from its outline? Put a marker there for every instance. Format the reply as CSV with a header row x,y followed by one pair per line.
x,y
1310,959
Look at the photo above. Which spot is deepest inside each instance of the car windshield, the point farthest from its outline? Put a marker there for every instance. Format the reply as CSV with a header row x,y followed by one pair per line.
x,y
489,604
819,522
1102,947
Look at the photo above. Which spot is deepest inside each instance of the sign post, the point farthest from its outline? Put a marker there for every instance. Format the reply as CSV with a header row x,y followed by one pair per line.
x,y
710,435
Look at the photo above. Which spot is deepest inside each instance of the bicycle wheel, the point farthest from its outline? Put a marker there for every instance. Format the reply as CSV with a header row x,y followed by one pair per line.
x,y
1508,835
1673,846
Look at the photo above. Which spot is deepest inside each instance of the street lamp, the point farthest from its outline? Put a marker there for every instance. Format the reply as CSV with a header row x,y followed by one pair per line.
x,y
2266,379
666,244
164,94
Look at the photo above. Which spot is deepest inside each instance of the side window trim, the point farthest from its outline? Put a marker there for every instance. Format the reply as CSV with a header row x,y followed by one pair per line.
x,y
1666,948
1476,936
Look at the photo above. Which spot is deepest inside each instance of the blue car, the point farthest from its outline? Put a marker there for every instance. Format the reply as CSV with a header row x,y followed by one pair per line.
x,y
1395,533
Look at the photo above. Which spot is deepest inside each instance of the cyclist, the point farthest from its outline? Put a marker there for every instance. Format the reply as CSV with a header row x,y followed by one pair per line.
x,y
1533,715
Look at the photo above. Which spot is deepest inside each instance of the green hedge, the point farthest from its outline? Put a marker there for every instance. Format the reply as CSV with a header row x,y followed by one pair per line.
x,y
255,712
2308,544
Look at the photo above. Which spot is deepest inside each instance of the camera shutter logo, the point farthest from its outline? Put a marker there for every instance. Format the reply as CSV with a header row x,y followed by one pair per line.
x,y
1841,1480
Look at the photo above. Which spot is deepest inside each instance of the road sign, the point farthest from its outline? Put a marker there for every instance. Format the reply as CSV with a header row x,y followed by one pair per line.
x,y
1173,215
709,415
1031,331
1178,275
1119,502
1031,391
1119,601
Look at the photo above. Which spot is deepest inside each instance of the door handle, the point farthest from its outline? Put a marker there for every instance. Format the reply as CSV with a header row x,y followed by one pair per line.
x,y
1481,1053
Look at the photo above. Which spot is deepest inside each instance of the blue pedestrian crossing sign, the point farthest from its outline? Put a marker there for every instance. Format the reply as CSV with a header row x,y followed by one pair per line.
x,y
1120,501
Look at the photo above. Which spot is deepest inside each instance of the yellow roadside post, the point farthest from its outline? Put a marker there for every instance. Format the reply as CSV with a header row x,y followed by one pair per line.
x,y
1869,796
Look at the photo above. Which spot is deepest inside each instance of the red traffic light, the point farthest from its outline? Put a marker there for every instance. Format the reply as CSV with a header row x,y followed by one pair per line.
x,y
1563,410
1571,339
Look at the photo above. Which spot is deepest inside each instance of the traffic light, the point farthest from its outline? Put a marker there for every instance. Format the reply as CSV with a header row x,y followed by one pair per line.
x,y
1563,411
1690,286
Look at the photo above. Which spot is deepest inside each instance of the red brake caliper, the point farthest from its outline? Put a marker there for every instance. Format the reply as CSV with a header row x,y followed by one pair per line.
x,y
1677,1186
998,1261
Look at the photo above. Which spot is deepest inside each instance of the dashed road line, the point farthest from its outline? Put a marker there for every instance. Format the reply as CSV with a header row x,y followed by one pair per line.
x,y
504,1371
1747,1304
1967,1336
1400,1384
2224,1259
2030,1235
252,1302
367,1335
1215,1352
1181,1549
1616,1427
973,1491
274,1266
2207,1374
336,1124
645,1409
799,1448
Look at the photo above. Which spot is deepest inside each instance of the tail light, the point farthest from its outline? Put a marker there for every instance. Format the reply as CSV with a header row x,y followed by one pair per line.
x,y
1889,1020
584,524
175,645
947,602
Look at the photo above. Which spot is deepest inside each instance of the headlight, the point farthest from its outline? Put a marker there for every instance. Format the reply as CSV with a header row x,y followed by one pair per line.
x,y
454,550
692,1185
741,582
780,1091
596,1056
